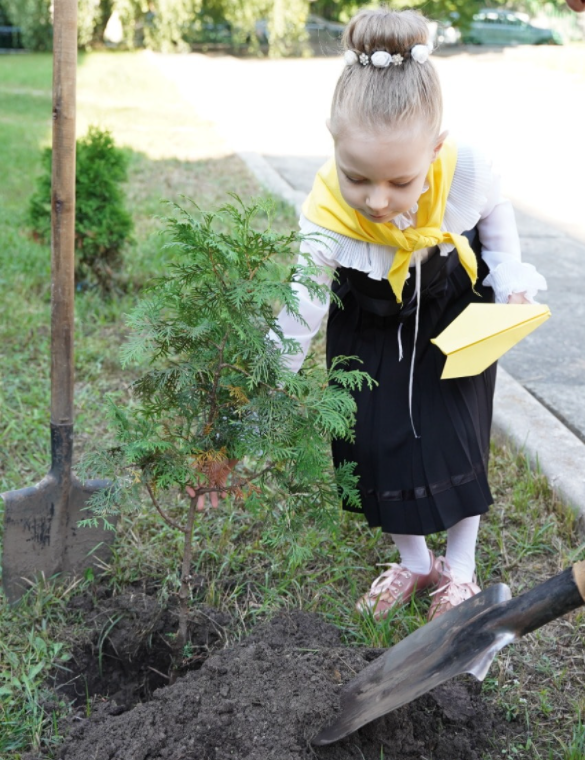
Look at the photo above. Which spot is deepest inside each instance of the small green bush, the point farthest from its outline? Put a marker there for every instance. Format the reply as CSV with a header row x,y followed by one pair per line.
x,y
103,226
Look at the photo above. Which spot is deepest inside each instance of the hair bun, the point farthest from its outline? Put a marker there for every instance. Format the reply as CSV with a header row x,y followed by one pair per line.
x,y
381,29
388,81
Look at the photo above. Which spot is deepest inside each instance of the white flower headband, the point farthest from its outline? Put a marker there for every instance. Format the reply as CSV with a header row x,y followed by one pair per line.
x,y
381,59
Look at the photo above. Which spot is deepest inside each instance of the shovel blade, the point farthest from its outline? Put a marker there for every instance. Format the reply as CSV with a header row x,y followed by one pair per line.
x,y
42,536
427,658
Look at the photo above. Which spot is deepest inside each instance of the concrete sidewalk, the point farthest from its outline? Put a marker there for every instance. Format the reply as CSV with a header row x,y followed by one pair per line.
x,y
273,112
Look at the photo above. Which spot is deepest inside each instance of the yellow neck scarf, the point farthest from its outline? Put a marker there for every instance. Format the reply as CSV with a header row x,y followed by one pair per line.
x,y
325,207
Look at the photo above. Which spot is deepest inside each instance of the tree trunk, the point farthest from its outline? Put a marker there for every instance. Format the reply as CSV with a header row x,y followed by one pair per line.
x,y
184,591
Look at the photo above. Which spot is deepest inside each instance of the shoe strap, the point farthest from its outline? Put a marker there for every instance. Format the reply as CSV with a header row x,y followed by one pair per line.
x,y
389,577
454,593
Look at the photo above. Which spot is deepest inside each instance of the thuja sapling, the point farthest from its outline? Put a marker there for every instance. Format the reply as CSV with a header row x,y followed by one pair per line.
x,y
217,412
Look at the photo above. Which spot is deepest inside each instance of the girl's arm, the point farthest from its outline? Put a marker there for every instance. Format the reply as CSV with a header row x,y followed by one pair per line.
x,y
312,310
512,280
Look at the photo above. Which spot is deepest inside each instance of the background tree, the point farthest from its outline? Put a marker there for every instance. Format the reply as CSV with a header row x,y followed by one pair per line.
x,y
243,16
286,27
89,15
34,18
460,12
171,24
4,18
168,22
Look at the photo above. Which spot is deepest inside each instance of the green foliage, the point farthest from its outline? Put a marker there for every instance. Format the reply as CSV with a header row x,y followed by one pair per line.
x,y
28,654
157,24
132,14
4,18
173,24
286,27
218,389
168,22
102,224
459,12
339,10
89,16
35,20
282,22
242,16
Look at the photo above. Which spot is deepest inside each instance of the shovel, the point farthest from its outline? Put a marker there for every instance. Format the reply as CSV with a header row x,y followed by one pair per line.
x,y
40,522
463,640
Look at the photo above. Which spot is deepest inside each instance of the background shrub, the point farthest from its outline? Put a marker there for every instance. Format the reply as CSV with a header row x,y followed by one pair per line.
x,y
103,226
89,16
35,21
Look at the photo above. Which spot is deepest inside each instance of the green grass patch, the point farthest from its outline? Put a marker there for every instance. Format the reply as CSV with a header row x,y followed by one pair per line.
x,y
525,539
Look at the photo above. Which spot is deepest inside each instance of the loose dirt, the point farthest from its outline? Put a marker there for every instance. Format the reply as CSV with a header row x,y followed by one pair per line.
x,y
261,699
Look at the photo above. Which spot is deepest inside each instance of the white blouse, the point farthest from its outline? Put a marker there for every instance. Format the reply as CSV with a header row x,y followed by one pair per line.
x,y
474,201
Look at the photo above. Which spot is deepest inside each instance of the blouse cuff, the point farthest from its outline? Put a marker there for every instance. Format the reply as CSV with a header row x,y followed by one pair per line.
x,y
515,277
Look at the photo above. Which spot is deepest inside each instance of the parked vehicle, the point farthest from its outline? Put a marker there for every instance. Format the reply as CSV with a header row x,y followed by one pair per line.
x,y
503,27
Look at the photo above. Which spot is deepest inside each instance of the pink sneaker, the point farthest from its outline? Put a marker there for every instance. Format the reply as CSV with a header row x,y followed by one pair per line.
x,y
450,593
395,587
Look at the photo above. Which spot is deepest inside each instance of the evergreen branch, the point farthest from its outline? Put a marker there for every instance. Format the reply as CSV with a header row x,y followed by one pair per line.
x,y
254,476
217,374
162,513
202,490
249,375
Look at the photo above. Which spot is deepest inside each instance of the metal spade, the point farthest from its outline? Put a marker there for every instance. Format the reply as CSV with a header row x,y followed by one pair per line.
x,y
463,640
40,522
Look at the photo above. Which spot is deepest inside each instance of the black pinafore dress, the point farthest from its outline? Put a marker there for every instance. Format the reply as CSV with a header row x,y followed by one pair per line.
x,y
410,485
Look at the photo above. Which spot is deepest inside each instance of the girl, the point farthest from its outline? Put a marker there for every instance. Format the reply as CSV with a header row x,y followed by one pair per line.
x,y
417,230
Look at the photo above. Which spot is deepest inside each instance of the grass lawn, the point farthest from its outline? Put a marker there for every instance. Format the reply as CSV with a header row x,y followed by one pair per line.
x,y
525,539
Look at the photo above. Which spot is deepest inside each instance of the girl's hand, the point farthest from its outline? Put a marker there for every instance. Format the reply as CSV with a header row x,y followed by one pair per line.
x,y
217,475
518,298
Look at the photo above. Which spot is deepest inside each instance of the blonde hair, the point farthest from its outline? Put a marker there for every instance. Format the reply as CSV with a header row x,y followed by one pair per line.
x,y
407,95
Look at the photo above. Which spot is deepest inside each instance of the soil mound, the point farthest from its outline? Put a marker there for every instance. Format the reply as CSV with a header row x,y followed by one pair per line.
x,y
264,698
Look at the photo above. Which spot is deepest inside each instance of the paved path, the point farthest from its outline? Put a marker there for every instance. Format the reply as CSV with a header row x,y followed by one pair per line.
x,y
514,104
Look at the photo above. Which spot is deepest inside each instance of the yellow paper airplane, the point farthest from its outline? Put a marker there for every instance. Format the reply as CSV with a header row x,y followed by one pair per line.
x,y
483,332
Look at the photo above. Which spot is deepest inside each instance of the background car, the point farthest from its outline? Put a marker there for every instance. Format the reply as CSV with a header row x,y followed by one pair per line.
x,y
502,27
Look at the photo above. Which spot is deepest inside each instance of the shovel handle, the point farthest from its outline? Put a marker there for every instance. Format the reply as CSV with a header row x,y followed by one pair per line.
x,y
545,602
63,211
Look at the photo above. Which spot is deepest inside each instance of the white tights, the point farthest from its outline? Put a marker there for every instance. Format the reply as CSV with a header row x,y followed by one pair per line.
x,y
460,553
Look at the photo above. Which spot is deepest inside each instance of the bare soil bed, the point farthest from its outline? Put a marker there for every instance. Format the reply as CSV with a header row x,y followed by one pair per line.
x,y
262,698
